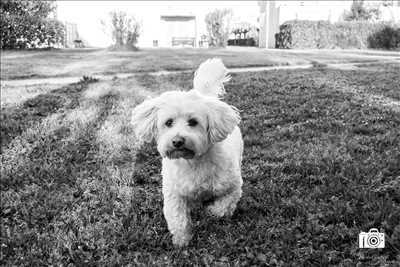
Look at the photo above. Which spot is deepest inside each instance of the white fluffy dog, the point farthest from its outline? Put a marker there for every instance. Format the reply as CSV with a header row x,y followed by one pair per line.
x,y
201,147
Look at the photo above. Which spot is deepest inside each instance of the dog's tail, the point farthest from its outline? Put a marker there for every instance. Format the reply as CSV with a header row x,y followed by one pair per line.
x,y
210,77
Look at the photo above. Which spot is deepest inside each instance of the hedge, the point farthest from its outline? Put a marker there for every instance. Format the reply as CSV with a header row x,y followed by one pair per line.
x,y
242,42
323,34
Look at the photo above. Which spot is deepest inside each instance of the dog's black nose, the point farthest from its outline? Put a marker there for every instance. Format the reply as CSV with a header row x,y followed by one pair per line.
x,y
178,141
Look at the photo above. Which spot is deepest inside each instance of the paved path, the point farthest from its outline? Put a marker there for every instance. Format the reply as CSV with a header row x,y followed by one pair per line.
x,y
67,80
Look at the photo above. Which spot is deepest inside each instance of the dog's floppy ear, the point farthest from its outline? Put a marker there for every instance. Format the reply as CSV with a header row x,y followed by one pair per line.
x,y
222,119
144,120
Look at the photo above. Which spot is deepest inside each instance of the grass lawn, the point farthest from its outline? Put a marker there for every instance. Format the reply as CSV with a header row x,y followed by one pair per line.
x,y
78,62
321,164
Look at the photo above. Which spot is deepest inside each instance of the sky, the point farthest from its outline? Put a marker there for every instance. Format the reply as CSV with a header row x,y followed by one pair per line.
x,y
88,14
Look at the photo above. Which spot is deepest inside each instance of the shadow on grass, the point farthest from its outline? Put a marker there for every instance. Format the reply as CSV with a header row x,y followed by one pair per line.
x,y
56,157
16,119
147,165
48,181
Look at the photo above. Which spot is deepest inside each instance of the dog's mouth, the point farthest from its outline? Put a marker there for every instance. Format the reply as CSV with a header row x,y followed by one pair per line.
x,y
180,153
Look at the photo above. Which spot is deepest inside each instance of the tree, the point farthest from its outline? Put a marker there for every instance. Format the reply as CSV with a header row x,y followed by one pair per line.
x,y
359,11
246,31
218,26
124,30
241,29
27,24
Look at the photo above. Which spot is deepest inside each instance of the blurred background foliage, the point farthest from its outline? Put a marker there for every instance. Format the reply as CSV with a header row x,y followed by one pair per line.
x,y
29,24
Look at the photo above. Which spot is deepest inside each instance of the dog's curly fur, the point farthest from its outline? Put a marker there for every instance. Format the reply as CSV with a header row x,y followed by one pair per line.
x,y
205,162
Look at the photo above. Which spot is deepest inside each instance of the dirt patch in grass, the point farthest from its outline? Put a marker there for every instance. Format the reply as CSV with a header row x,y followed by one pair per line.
x,y
320,166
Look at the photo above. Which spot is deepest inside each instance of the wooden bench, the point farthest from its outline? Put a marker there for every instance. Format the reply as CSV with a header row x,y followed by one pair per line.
x,y
182,41
78,43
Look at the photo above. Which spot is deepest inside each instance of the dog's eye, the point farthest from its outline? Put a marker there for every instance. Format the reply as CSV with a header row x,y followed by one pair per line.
x,y
192,122
168,123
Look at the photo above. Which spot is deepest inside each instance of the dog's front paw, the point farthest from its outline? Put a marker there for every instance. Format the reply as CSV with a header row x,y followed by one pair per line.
x,y
220,211
181,240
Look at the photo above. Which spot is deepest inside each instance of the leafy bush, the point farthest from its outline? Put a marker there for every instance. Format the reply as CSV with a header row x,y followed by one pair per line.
x,y
217,23
242,42
304,34
322,34
388,37
26,24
